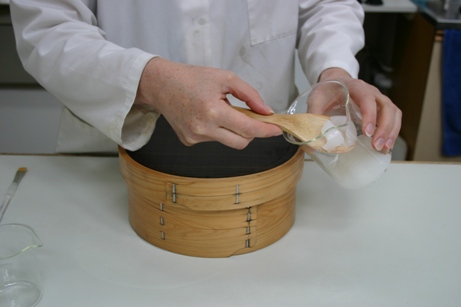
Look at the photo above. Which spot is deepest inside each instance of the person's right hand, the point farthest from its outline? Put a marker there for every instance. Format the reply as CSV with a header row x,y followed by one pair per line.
x,y
193,100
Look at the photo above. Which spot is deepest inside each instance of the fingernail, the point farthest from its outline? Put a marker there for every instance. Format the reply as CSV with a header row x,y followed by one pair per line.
x,y
369,129
270,109
379,144
390,143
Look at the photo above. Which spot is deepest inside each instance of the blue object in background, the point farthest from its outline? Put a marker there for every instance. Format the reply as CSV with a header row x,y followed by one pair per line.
x,y
451,93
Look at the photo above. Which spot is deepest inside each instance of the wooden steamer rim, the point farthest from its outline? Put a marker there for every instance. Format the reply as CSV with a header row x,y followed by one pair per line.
x,y
211,217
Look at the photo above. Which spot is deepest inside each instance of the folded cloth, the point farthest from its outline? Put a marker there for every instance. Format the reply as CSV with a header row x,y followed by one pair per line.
x,y
451,93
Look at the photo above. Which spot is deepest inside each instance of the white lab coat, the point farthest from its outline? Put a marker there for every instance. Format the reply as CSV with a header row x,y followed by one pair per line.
x,y
90,53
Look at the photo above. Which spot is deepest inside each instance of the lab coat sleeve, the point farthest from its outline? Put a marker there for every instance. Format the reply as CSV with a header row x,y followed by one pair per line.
x,y
330,33
61,46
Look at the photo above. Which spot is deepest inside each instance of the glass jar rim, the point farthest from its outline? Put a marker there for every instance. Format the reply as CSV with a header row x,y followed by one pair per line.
x,y
304,95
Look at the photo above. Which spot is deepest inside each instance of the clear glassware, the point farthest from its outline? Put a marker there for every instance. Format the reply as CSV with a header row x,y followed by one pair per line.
x,y
354,169
20,283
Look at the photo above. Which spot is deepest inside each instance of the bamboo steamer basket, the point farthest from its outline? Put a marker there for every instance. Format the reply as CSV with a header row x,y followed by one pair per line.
x,y
217,217
211,217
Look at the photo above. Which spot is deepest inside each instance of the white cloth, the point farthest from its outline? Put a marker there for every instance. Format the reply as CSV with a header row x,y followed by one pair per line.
x,y
90,53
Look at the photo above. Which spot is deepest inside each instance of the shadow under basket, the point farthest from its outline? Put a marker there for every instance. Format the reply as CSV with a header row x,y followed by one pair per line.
x,y
212,217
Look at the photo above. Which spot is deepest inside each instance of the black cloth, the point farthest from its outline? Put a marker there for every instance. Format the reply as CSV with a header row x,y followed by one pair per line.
x,y
165,153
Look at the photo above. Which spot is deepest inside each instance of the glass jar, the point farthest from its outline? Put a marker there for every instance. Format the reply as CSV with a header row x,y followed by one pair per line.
x,y
359,165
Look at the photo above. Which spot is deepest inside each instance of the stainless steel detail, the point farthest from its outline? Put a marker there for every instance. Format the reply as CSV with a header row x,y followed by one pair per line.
x,y
247,243
174,192
237,193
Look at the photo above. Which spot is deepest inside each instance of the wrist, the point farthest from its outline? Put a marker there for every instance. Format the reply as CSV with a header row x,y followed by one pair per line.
x,y
334,73
147,84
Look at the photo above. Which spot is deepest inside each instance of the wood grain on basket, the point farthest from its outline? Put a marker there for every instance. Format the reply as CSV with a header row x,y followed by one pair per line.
x,y
201,217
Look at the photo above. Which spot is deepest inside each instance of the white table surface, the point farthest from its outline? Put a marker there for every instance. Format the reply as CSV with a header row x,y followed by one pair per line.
x,y
395,243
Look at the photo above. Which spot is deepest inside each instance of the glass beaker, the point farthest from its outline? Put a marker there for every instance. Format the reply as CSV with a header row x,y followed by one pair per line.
x,y
353,169
20,283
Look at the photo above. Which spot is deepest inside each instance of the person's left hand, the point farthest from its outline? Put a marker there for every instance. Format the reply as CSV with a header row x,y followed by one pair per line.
x,y
381,118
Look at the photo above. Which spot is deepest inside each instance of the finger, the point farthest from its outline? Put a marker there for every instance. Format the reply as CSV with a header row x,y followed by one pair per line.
x,y
210,132
247,127
246,93
369,110
231,139
235,140
239,138
228,127
379,119
389,123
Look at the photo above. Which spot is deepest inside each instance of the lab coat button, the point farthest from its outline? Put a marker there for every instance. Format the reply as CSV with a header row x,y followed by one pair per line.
x,y
242,51
202,21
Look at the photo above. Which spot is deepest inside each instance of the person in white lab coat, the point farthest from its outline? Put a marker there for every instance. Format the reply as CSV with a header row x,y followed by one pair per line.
x,y
118,64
